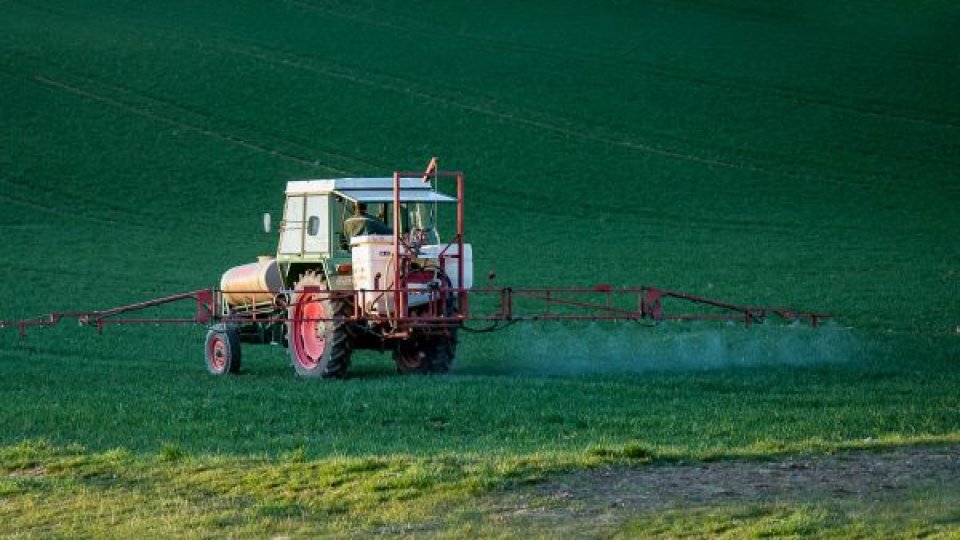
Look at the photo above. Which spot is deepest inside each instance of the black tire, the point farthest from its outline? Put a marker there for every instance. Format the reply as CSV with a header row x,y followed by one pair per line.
x,y
222,350
318,348
413,355
426,354
445,351
445,343
429,353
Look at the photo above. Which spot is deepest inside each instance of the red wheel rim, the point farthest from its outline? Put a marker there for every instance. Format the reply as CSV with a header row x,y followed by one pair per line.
x,y
218,352
308,332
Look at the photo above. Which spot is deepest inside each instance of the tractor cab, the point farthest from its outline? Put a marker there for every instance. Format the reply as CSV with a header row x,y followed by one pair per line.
x,y
402,288
314,232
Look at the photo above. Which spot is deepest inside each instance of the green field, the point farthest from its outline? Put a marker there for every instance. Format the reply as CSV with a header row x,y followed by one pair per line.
x,y
805,154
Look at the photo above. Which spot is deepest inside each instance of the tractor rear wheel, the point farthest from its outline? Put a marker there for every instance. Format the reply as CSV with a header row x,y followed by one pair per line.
x,y
222,349
319,340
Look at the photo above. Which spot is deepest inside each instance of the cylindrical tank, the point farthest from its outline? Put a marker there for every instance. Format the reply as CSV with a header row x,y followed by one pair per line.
x,y
254,283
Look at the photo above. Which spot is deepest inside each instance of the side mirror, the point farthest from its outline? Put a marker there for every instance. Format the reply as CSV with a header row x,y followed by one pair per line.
x,y
313,225
266,222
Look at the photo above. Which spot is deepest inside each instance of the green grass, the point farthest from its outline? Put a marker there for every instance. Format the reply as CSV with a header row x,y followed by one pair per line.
x,y
171,494
495,404
802,155
71,491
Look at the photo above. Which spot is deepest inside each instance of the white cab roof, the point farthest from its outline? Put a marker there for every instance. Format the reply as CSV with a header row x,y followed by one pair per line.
x,y
375,190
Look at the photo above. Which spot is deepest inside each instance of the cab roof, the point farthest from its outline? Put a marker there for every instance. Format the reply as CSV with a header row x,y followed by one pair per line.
x,y
369,190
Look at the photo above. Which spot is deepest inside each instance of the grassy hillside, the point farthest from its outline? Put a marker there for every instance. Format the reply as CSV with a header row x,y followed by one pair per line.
x,y
804,155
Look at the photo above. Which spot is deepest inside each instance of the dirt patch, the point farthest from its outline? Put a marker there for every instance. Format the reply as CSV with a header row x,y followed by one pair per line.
x,y
863,475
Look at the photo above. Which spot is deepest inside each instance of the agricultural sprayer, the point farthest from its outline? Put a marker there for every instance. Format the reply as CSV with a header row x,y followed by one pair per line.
x,y
383,264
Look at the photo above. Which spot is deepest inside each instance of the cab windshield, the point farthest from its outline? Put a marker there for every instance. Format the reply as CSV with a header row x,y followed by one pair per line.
x,y
419,216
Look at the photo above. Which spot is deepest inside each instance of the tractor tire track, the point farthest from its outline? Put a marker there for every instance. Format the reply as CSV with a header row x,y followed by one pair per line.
x,y
182,110
408,89
146,113
567,128
129,218
708,217
784,166
588,213
117,273
756,17
60,213
601,135
355,164
564,128
581,132
77,198
792,95
301,148
750,16
485,107
787,93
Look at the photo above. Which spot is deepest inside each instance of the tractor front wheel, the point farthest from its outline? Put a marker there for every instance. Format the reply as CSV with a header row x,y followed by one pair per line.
x,y
413,356
319,340
432,352
445,350
427,354
222,349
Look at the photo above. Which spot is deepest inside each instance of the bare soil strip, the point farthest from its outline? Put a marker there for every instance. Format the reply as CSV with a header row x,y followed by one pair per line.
x,y
857,475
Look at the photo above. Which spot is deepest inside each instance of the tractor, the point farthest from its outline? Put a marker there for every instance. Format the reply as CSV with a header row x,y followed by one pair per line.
x,y
334,288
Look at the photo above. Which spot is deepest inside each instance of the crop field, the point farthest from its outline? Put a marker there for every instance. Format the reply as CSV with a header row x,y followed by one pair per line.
x,y
789,153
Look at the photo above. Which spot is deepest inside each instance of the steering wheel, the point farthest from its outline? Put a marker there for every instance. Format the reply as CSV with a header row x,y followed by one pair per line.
x,y
418,236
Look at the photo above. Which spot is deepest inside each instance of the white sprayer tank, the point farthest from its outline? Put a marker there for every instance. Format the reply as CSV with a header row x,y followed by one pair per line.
x,y
373,255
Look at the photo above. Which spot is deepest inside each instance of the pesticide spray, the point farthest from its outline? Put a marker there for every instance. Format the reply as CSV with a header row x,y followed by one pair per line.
x,y
610,348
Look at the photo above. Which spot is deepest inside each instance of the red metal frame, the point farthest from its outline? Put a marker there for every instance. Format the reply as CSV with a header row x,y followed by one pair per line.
x,y
404,257
594,304
205,313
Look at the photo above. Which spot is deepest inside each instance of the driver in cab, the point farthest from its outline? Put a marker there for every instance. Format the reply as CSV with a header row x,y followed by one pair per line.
x,y
361,223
